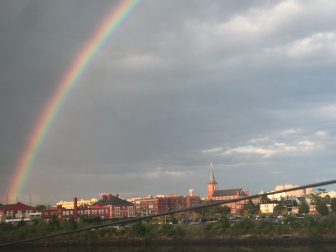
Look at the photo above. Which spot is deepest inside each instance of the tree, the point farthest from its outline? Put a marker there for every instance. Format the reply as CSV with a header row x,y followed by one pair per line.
x,y
279,210
139,229
322,208
251,208
224,223
226,210
303,208
327,199
54,223
333,204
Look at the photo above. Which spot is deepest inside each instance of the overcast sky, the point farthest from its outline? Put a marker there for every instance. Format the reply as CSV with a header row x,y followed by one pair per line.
x,y
247,85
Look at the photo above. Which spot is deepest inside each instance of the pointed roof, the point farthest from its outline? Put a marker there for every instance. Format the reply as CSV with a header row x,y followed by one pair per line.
x,y
113,200
15,206
211,175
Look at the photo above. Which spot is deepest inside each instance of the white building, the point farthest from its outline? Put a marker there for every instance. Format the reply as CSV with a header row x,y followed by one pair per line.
x,y
291,194
267,208
81,202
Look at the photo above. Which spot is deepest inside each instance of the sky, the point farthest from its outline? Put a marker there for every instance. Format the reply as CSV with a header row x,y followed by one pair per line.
x,y
247,85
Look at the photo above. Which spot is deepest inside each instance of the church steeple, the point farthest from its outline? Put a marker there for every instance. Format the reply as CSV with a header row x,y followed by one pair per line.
x,y
211,175
212,184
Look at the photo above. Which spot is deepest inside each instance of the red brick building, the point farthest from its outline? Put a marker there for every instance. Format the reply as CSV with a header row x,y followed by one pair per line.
x,y
109,207
62,213
164,203
215,194
119,208
16,212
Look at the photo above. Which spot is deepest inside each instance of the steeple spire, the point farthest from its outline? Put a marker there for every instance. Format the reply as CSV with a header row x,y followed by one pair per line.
x,y
211,175
212,185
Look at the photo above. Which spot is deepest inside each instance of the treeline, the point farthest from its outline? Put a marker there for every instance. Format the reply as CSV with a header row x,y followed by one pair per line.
x,y
309,226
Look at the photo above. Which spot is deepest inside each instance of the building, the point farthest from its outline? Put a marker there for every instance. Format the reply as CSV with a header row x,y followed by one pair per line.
x,y
331,194
227,194
109,207
80,203
291,194
163,203
267,208
17,212
62,213
119,208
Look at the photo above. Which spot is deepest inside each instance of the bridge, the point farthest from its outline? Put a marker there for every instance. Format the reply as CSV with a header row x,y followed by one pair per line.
x,y
137,219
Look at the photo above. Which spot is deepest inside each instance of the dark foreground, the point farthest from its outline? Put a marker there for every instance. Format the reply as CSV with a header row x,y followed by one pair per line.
x,y
312,248
235,244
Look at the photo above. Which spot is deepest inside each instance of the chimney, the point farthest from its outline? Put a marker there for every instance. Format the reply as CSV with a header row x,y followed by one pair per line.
x,y
117,195
75,215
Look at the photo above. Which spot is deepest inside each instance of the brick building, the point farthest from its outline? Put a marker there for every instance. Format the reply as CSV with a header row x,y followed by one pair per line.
x,y
227,194
109,207
16,212
163,203
119,208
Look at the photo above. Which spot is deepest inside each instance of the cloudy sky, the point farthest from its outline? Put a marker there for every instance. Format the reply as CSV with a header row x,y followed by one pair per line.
x,y
247,85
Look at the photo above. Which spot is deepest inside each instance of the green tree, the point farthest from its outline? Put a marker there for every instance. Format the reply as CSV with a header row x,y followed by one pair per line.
x,y
251,208
327,199
279,210
322,208
224,223
70,224
333,204
54,223
139,229
225,210
303,208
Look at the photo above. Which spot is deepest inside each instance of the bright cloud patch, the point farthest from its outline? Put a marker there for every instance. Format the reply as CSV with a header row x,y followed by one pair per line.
x,y
286,142
321,44
160,172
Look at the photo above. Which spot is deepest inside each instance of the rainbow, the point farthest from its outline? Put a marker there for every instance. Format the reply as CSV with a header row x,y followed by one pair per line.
x,y
108,26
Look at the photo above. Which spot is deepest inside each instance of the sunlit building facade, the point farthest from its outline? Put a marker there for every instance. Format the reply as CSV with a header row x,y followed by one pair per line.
x,y
214,194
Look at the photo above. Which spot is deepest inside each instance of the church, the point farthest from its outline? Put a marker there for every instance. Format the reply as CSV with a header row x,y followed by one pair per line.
x,y
226,194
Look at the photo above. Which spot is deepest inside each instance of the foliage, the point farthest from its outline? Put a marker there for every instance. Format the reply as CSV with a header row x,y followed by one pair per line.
x,y
224,223
279,209
225,210
251,208
139,229
54,223
322,208
303,208
333,204
70,224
